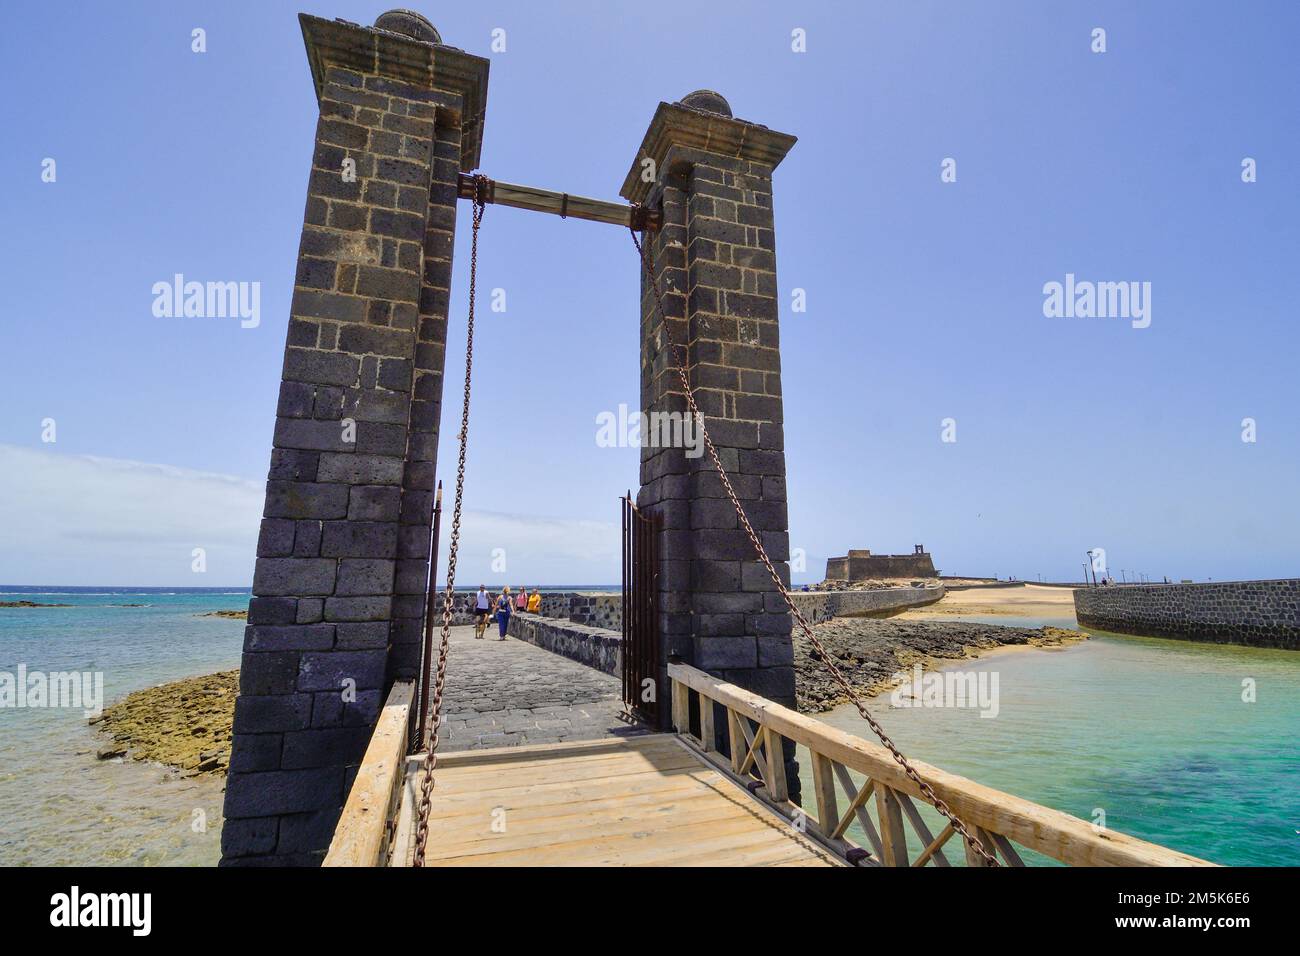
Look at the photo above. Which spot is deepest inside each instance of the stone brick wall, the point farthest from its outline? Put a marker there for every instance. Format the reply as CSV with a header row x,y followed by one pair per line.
x,y
596,647
715,262
1257,613
342,558
598,610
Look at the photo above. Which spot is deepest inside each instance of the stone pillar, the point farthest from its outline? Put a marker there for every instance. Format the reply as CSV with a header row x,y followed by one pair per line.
x,y
343,555
715,262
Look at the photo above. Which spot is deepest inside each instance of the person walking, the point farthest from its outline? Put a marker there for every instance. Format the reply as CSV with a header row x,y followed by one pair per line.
x,y
535,602
521,602
482,607
503,611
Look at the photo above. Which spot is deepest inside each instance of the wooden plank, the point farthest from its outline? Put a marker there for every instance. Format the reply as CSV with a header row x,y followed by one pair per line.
x,y
681,709
572,748
658,822
1039,828
673,844
776,784
692,816
923,831
560,793
892,835
1008,851
708,735
404,840
944,835
736,740
361,837
973,858
560,771
856,800
828,815
752,755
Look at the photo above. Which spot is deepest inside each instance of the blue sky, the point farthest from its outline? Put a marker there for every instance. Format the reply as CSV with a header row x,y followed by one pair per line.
x,y
924,298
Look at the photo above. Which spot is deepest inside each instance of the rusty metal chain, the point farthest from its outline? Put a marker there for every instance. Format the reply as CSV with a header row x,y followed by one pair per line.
x,y
680,361
432,732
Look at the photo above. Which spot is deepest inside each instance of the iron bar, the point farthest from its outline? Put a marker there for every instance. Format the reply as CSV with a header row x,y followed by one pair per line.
x,y
559,204
426,661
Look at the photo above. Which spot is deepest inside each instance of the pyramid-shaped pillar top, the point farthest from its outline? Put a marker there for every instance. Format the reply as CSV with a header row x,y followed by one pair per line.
x,y
405,48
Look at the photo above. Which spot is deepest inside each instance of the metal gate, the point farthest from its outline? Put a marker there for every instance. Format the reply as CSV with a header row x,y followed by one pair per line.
x,y
643,684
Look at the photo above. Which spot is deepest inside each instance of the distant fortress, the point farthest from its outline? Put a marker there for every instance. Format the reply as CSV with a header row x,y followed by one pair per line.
x,y
863,566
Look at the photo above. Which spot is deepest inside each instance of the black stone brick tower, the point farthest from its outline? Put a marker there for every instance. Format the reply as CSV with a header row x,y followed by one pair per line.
x,y
343,556
715,263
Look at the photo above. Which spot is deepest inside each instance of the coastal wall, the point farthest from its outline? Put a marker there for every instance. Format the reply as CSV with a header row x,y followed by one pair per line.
x,y
1257,613
596,608
604,611
596,647
820,606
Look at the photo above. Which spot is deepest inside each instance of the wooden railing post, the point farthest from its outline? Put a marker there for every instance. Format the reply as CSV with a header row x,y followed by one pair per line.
x,y
777,787
708,738
736,738
681,708
973,858
893,837
828,814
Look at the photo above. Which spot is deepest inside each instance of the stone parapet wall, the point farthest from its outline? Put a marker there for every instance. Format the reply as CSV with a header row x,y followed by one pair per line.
x,y
1257,613
594,646
595,608
818,607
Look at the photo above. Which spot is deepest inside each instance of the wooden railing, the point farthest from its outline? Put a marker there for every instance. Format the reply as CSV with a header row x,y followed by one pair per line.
x,y
364,835
756,728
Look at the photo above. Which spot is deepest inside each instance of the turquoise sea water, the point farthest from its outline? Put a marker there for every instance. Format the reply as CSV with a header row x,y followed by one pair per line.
x,y
58,803
1153,732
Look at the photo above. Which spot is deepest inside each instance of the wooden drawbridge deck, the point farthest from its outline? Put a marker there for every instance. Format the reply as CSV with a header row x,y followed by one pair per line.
x,y
673,799
647,800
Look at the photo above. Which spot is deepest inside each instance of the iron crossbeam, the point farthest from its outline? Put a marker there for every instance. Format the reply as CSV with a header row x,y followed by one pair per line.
x,y
558,204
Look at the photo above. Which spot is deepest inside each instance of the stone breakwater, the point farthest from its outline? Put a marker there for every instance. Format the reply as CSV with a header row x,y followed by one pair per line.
x,y
870,652
821,606
185,724
1255,613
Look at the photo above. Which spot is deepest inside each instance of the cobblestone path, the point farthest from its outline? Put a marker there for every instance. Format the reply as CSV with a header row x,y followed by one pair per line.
x,y
505,693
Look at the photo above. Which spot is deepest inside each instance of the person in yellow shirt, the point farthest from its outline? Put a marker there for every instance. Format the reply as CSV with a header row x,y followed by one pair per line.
x,y
534,602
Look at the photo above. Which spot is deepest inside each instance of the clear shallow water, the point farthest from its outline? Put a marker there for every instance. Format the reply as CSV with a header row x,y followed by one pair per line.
x,y
58,803
1152,731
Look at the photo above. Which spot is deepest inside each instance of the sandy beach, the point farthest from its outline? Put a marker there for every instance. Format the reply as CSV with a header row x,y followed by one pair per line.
x,y
1028,600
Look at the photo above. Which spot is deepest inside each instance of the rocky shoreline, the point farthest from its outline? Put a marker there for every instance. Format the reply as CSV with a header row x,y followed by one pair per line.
x,y
233,615
185,724
869,652
29,604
